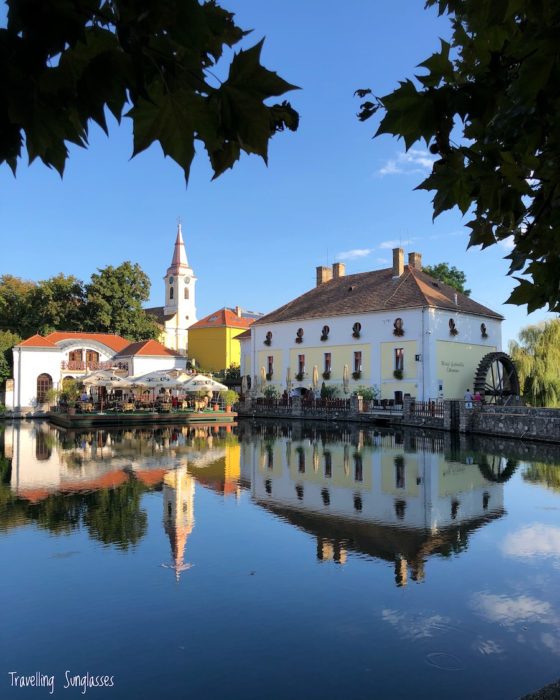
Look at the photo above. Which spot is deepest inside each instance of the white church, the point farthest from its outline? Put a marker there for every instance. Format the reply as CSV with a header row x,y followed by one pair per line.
x,y
179,312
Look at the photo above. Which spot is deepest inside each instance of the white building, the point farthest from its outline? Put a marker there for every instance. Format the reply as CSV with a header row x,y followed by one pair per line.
x,y
398,329
42,363
179,312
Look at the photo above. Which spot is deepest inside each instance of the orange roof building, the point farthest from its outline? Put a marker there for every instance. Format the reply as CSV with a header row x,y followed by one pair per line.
x,y
213,340
43,363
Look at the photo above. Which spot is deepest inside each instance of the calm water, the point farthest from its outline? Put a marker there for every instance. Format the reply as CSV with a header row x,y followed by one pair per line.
x,y
277,561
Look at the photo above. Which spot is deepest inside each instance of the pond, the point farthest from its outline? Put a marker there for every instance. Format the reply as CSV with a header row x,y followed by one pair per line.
x,y
276,560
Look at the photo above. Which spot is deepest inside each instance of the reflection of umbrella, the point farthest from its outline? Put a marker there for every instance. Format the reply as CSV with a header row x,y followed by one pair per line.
x,y
200,382
288,379
345,378
263,377
315,380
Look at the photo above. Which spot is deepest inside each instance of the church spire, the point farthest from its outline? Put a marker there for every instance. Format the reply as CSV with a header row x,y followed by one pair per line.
x,y
179,261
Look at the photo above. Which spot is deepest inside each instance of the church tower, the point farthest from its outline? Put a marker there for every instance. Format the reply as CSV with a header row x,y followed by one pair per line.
x,y
180,309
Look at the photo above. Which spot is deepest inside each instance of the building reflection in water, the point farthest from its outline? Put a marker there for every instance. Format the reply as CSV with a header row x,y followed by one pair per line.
x,y
178,514
398,497
66,480
371,494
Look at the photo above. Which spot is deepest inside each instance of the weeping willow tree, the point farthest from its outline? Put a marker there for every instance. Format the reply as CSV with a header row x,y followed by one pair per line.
x,y
537,358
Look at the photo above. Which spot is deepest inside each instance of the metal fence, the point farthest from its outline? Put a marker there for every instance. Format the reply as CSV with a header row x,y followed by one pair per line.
x,y
426,409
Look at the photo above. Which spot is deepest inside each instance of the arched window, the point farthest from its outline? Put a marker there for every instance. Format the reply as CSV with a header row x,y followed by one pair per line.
x,y
92,359
44,383
171,292
186,293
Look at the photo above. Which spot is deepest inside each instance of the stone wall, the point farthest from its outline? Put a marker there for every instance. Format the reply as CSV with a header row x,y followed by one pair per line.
x,y
519,422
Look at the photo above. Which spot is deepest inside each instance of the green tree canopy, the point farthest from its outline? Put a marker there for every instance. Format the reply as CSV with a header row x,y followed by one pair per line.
x,y
14,303
537,358
487,105
7,342
64,64
450,275
114,300
55,304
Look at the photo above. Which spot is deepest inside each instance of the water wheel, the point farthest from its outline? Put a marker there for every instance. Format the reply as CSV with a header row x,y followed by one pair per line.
x,y
496,378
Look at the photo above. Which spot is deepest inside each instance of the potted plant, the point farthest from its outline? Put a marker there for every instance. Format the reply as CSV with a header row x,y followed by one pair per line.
x,y
327,374
300,376
70,394
356,375
269,376
51,396
398,374
230,397
271,392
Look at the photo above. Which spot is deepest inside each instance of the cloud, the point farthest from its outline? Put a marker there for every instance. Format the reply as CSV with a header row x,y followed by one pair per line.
x,y
389,245
513,610
355,253
488,647
536,540
415,627
507,244
409,163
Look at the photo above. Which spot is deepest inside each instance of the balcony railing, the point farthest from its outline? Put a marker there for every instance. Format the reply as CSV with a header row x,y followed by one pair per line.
x,y
81,366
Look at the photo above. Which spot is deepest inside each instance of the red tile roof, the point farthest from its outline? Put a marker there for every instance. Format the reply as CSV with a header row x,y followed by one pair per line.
x,y
223,317
243,336
36,341
376,291
114,342
147,347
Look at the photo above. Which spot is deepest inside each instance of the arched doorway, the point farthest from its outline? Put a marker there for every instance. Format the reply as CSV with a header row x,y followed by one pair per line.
x,y
44,383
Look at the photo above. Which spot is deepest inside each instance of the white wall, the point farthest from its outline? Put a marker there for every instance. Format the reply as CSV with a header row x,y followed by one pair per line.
x,y
29,363
425,326
142,364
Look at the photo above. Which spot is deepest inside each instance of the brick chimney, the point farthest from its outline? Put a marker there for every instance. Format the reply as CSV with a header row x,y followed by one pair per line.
x,y
324,274
415,260
238,311
398,262
338,270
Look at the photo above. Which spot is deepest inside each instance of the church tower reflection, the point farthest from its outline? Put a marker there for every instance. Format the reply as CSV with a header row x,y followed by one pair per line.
x,y
178,514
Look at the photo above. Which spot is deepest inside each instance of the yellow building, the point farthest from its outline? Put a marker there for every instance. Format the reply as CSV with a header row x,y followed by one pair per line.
x,y
213,340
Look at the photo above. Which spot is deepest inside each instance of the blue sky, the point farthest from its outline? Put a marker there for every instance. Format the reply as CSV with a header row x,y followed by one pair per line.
x,y
255,235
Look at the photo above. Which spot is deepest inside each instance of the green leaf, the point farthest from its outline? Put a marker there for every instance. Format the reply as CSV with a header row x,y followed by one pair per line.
x,y
169,118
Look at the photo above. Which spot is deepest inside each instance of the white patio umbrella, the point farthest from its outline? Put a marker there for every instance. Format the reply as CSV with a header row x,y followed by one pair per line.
x,y
345,378
201,382
106,378
263,378
315,379
288,380
244,385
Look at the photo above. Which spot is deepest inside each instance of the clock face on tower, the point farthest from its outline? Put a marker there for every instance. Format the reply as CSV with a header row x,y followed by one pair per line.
x,y
187,279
